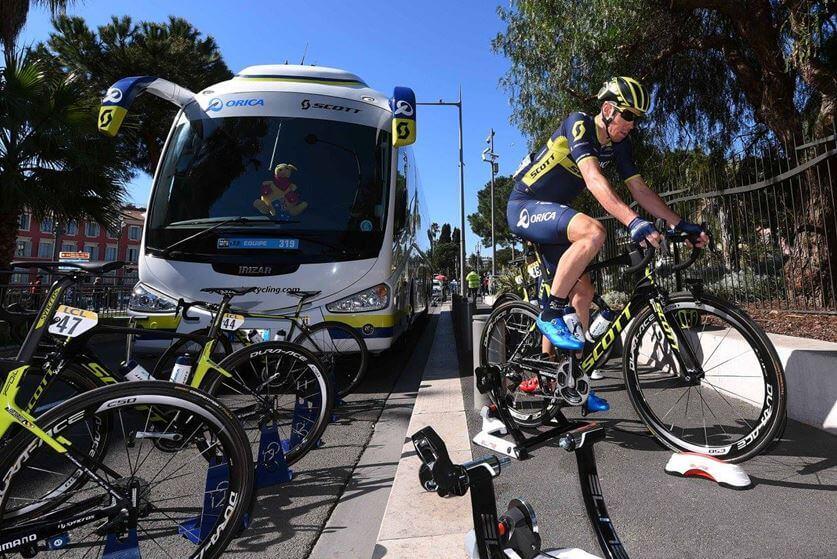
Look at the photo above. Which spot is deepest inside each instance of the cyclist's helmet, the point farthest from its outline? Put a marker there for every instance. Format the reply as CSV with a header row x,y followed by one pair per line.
x,y
625,93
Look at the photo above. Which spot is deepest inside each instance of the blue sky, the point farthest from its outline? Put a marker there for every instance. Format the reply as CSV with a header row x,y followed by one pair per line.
x,y
431,46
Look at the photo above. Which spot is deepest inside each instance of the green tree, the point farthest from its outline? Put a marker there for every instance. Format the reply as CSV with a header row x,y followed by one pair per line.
x,y
480,222
718,63
52,158
13,14
444,236
174,50
454,237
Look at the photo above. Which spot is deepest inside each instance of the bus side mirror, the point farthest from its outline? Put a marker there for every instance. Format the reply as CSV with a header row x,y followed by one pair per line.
x,y
122,94
403,105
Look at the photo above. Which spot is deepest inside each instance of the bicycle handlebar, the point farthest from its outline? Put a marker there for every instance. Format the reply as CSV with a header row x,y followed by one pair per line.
x,y
669,235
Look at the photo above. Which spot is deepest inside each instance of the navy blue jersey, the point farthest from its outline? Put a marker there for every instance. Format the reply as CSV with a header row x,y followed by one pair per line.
x,y
552,174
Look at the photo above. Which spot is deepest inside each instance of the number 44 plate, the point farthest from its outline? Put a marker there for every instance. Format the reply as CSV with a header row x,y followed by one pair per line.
x,y
72,322
232,322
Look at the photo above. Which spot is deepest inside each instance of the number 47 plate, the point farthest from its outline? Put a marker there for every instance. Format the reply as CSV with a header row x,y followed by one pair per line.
x,y
72,322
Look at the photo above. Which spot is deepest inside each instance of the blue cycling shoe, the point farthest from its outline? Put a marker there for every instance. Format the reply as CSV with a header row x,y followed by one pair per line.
x,y
594,403
556,331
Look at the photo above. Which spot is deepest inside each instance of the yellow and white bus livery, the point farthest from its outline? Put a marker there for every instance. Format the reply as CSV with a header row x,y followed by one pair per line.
x,y
286,178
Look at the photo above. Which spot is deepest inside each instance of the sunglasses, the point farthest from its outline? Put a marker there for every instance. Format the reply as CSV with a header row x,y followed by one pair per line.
x,y
628,116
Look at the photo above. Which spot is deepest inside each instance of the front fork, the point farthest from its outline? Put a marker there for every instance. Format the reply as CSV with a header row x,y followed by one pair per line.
x,y
691,368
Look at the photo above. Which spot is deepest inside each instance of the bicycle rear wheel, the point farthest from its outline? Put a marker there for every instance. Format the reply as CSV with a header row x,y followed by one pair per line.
x,y
280,386
199,484
735,409
510,335
341,350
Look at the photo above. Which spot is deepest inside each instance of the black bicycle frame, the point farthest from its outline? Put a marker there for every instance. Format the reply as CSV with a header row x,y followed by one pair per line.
x,y
646,293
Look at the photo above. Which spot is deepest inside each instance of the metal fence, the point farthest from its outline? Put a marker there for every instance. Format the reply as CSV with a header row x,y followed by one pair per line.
x,y
106,300
772,214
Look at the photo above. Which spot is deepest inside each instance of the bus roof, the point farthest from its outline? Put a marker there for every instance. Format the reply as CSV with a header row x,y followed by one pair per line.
x,y
293,78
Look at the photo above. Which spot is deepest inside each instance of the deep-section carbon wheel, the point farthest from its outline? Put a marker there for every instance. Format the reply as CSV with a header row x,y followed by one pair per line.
x,y
736,403
279,386
341,350
201,484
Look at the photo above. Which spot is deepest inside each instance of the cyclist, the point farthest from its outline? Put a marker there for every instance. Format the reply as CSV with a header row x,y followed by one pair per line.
x,y
549,180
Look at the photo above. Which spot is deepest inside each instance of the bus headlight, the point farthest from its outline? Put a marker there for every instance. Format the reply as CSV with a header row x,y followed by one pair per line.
x,y
145,300
372,299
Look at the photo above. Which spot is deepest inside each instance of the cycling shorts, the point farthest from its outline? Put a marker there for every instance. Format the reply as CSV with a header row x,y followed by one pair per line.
x,y
544,223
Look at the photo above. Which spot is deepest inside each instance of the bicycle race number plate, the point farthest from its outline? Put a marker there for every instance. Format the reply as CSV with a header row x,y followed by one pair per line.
x,y
72,322
534,270
232,322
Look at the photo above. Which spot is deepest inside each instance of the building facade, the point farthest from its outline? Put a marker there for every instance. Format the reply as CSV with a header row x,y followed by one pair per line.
x,y
43,240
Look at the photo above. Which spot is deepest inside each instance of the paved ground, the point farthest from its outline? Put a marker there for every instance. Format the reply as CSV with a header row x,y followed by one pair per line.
x,y
290,519
789,513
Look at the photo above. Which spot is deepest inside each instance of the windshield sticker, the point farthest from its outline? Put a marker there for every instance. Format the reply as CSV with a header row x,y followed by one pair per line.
x,y
279,196
216,103
258,243
366,226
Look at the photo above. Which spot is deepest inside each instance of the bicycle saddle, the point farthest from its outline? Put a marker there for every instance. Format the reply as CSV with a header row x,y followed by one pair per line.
x,y
234,291
304,294
99,267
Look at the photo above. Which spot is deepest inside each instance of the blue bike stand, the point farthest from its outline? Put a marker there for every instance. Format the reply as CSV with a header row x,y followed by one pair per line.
x,y
272,468
305,415
217,481
127,548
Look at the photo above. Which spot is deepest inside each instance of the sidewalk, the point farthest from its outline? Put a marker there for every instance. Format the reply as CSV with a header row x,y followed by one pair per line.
x,y
417,523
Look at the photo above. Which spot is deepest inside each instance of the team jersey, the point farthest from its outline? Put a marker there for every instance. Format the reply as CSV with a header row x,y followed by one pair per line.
x,y
552,174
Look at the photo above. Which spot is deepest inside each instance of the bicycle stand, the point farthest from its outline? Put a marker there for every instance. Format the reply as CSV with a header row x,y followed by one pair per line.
x,y
271,467
197,528
305,414
488,380
126,548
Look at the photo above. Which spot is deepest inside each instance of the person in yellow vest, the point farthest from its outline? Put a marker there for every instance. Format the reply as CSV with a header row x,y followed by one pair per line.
x,y
473,280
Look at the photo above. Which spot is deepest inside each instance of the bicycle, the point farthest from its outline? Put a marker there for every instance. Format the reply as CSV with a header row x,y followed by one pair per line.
x,y
527,280
89,474
273,385
339,347
671,357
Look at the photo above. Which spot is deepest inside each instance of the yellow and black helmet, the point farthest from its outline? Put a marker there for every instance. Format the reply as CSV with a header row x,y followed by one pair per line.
x,y
625,93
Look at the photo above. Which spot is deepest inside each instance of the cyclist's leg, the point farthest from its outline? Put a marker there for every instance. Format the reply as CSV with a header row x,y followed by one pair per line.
x,y
586,237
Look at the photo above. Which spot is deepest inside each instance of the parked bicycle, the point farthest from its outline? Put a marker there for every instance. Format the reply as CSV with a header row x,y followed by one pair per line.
x,y
699,371
339,347
273,384
123,468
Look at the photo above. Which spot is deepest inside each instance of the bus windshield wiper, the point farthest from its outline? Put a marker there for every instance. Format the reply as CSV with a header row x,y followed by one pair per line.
x,y
239,219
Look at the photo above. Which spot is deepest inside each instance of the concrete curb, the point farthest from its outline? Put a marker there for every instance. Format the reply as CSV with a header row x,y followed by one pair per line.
x,y
417,523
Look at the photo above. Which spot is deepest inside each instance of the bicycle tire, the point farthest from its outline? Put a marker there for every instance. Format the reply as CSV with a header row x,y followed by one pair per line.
x,y
530,415
347,370
165,363
150,397
240,363
504,298
709,312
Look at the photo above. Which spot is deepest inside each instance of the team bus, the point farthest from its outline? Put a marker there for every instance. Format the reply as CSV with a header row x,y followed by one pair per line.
x,y
287,178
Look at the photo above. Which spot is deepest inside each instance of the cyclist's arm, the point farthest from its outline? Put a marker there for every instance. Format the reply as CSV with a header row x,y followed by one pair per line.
x,y
599,186
651,201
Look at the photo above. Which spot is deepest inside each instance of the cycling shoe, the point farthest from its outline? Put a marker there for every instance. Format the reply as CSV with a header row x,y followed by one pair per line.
x,y
557,332
594,403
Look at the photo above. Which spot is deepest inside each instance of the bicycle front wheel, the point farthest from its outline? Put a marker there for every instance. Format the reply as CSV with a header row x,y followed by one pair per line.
x,y
733,407
184,498
341,350
277,386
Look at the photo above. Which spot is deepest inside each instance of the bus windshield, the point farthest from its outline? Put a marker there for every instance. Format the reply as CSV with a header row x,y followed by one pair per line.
x,y
308,184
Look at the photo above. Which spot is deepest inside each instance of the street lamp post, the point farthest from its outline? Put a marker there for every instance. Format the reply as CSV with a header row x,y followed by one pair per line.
x,y
491,158
458,105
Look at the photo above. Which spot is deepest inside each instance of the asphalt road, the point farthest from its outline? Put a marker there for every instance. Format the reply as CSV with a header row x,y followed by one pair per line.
x,y
289,519
790,512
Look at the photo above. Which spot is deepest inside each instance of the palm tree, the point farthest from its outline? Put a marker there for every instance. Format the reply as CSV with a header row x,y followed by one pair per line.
x,y
52,160
13,14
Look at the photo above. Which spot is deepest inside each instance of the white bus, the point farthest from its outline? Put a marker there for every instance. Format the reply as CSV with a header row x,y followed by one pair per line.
x,y
288,178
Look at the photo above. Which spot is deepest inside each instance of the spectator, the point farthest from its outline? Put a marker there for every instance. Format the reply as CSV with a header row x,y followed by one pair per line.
x,y
473,280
